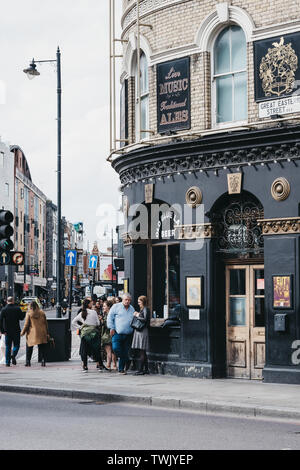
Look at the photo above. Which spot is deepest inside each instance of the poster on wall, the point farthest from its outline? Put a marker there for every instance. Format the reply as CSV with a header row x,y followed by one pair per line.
x,y
173,95
105,268
193,285
282,292
277,74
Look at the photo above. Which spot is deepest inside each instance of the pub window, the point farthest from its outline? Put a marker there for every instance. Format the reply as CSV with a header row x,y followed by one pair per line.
x,y
165,279
230,75
144,92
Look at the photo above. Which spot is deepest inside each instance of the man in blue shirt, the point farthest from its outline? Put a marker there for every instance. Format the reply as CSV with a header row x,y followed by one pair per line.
x,y
118,321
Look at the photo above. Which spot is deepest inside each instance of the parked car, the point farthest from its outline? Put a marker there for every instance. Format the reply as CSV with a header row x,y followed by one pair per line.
x,y
26,301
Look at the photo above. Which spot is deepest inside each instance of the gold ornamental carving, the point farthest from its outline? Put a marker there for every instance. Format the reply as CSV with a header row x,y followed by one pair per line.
x,y
193,196
195,231
277,69
149,193
127,238
280,226
234,181
280,189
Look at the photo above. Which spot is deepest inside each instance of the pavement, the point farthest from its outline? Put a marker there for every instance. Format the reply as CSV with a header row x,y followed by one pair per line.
x,y
246,398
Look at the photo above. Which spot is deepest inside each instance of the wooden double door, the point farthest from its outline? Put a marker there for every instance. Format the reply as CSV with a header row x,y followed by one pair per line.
x,y
245,321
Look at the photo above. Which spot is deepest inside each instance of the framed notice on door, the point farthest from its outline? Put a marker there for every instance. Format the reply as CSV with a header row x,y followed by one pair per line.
x,y
283,292
194,296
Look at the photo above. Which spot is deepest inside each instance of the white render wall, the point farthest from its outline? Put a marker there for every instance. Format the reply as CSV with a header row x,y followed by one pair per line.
x,y
6,178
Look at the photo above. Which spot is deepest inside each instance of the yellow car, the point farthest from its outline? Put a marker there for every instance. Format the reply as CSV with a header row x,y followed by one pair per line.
x,y
26,301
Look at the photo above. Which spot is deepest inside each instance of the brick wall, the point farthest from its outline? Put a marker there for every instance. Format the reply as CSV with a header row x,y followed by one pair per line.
x,y
175,24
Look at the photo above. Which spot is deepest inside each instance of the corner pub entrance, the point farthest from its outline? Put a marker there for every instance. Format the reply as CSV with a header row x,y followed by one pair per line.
x,y
210,118
236,297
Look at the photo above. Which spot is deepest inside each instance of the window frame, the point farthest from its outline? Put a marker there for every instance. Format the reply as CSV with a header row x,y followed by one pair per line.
x,y
234,123
144,96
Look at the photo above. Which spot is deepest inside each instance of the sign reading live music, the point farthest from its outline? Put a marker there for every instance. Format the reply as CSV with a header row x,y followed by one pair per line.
x,y
173,95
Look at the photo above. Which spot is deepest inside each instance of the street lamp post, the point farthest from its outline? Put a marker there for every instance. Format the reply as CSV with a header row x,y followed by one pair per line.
x,y
32,72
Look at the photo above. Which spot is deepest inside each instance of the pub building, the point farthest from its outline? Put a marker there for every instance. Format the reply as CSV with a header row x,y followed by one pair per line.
x,y
209,164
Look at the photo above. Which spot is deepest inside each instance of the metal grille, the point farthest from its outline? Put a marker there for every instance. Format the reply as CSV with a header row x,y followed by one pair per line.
x,y
237,229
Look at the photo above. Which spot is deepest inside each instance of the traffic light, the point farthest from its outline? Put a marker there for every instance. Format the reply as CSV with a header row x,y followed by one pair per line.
x,y
6,230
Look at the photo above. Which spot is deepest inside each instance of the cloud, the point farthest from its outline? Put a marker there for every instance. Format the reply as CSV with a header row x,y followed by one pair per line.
x,y
28,116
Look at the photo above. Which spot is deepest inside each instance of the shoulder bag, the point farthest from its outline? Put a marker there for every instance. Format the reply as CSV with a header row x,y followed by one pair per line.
x,y
137,324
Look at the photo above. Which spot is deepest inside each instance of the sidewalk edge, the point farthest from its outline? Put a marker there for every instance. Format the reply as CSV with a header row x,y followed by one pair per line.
x,y
206,407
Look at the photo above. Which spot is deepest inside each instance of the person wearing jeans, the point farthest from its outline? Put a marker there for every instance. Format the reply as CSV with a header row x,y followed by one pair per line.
x,y
10,318
118,321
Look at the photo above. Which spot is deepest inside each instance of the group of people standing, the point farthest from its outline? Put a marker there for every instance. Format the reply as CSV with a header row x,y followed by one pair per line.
x,y
35,328
107,325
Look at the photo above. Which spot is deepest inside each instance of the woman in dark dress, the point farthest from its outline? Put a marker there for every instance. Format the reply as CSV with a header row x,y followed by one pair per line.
x,y
140,339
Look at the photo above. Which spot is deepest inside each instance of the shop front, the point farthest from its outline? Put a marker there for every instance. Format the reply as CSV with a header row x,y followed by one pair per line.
x,y
218,255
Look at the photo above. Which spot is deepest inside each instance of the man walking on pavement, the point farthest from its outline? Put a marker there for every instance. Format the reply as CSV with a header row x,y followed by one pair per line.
x,y
118,321
10,318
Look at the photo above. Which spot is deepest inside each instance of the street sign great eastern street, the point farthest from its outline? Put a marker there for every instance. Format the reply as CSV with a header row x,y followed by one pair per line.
x,y
15,258
71,257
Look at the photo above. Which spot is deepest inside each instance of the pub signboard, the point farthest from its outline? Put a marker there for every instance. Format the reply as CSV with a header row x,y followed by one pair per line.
x,y
277,75
173,95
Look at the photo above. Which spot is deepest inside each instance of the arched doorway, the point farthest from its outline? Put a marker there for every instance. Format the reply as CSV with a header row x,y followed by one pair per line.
x,y
238,249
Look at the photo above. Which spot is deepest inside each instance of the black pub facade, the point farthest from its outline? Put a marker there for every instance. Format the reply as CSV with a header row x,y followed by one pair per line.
x,y
211,196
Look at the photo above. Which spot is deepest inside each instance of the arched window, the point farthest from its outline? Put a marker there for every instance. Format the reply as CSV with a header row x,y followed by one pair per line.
x,y
143,124
230,75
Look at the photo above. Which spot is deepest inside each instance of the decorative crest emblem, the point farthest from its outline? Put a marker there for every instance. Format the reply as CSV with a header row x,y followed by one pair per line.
x,y
277,69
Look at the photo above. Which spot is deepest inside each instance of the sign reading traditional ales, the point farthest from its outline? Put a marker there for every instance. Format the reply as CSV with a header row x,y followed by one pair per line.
x,y
277,74
173,95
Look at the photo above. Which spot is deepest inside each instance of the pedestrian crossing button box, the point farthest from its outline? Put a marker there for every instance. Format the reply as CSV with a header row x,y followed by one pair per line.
x,y
280,322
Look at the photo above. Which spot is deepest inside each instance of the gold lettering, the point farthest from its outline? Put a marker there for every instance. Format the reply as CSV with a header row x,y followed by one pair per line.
x,y
173,87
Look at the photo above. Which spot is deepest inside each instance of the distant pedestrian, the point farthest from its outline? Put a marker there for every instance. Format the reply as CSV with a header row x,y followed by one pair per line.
x,y
98,308
36,330
64,306
10,318
88,323
2,337
52,301
140,341
2,348
118,300
106,339
118,321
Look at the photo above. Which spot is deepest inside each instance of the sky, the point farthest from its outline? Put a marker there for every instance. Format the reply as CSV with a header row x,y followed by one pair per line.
x,y
28,108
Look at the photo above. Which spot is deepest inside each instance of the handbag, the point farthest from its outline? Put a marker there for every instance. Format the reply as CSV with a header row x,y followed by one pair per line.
x,y
137,324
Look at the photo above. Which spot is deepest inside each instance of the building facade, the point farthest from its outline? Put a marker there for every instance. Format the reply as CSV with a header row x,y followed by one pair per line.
x,y
51,248
30,229
73,240
7,203
209,167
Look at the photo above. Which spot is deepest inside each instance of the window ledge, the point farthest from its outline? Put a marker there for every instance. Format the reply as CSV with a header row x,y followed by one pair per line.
x,y
229,125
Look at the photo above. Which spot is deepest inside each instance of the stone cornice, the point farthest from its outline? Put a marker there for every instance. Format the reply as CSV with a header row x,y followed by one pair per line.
x,y
222,151
195,231
280,226
147,7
